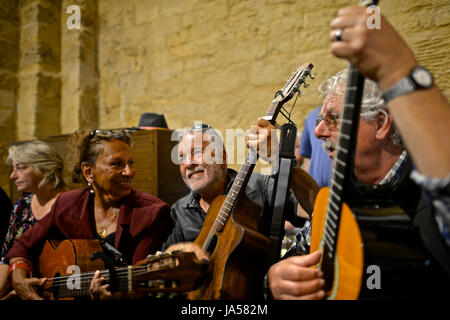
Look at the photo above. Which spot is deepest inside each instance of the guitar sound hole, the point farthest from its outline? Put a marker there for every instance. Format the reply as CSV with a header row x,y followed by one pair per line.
x,y
212,245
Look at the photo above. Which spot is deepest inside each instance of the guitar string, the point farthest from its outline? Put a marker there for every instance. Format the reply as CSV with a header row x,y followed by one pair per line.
x,y
139,270
85,282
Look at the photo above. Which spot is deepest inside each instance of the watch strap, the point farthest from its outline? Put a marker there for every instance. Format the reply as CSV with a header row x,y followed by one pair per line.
x,y
404,86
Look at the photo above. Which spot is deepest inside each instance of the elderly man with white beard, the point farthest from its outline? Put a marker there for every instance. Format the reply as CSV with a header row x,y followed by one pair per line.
x,y
203,167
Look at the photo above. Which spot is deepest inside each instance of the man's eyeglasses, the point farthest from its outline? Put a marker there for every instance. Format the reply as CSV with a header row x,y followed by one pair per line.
x,y
331,120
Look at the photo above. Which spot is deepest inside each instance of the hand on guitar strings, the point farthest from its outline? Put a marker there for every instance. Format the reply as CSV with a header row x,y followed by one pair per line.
x,y
262,139
98,290
295,278
379,53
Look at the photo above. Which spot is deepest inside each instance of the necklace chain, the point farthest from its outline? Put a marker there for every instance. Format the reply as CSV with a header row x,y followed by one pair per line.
x,y
102,231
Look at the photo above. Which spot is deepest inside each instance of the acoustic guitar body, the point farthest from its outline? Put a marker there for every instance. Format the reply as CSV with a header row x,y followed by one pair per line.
x,y
349,261
58,255
237,245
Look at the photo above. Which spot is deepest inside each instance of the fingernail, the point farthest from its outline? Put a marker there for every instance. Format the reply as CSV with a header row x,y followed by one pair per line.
x,y
319,274
321,282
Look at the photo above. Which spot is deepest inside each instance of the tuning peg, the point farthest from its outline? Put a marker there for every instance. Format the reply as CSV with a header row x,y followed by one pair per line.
x,y
306,85
311,76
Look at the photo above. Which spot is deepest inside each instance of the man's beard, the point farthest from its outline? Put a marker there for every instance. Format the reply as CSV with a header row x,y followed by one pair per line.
x,y
211,175
329,146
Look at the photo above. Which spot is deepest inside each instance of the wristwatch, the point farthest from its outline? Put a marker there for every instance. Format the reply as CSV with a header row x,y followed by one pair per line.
x,y
419,78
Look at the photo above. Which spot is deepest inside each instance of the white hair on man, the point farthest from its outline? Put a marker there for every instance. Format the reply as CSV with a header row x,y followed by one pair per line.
x,y
212,152
372,103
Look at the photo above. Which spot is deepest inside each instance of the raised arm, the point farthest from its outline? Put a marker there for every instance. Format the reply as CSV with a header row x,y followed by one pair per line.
x,y
383,56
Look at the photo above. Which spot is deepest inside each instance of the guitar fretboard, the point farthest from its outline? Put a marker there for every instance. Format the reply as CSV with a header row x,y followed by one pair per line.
x,y
128,278
239,184
78,285
344,158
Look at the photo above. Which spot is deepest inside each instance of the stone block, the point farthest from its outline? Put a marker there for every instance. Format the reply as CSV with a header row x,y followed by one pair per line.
x,y
9,31
8,80
224,80
9,10
8,56
88,114
146,12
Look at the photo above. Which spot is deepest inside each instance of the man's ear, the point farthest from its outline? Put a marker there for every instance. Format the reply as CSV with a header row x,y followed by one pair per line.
x,y
87,171
383,125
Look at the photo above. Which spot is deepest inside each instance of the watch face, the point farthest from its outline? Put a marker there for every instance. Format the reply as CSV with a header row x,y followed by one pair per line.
x,y
422,77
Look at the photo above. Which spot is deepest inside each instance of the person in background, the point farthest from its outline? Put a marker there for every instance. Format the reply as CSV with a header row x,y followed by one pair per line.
x,y
37,173
5,213
315,161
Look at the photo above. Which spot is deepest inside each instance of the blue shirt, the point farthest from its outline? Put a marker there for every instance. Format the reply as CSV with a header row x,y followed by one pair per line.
x,y
311,147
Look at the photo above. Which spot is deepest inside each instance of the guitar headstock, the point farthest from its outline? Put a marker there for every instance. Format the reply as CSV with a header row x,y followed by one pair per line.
x,y
298,78
292,86
170,272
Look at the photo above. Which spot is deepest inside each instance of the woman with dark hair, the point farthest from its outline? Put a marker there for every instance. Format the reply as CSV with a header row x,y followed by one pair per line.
x,y
133,222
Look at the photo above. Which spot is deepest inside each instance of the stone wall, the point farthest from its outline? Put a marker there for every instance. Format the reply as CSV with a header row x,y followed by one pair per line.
x,y
219,61
9,60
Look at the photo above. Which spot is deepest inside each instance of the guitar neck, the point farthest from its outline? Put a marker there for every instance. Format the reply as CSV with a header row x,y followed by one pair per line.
x,y
343,164
239,184
240,181
78,285
166,272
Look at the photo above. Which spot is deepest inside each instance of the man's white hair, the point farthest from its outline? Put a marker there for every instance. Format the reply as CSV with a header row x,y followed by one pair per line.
x,y
372,103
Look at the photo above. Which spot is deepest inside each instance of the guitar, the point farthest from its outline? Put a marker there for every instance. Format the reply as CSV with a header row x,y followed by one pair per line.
x,y
334,229
238,252
69,267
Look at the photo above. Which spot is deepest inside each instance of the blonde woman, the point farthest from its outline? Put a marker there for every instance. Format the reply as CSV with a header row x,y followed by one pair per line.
x,y
37,173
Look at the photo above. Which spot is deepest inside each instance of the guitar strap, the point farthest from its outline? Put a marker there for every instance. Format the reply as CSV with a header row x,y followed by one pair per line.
x,y
286,164
118,257
112,258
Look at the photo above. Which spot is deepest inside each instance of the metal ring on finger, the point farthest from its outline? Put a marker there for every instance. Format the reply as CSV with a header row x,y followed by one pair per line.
x,y
338,34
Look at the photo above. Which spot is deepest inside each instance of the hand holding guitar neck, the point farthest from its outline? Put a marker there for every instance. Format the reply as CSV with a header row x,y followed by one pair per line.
x,y
261,140
383,56
379,54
